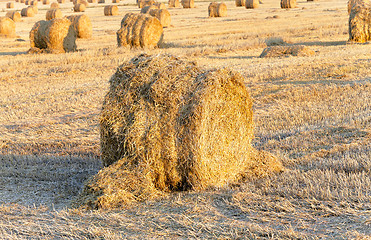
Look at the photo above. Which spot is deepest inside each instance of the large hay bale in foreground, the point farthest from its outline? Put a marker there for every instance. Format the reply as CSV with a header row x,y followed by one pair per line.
x,y
168,125
173,4
14,15
240,3
139,30
82,25
111,10
288,3
27,12
360,23
217,9
252,4
53,13
7,27
188,3
54,36
162,15
279,51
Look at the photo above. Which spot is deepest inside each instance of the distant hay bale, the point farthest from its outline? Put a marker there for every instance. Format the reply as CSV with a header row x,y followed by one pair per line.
x,y
76,2
16,0
54,5
240,3
53,13
146,9
92,1
161,14
217,9
27,12
174,3
7,27
252,3
111,10
82,25
143,3
46,2
34,8
61,1
294,50
167,125
101,1
53,36
10,5
288,3
115,1
360,23
140,30
27,2
14,15
22,1
33,3
188,3
79,7
85,3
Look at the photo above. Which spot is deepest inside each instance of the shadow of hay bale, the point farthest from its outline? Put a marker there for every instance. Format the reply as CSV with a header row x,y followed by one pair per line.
x,y
168,125
294,50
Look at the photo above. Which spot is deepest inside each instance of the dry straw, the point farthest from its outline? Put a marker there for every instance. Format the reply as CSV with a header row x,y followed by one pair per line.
x,y
252,3
240,3
174,3
7,27
217,9
10,5
79,7
360,22
288,3
53,13
353,2
82,25
54,36
14,15
111,10
146,9
168,125
139,30
27,12
294,50
54,5
188,3
161,14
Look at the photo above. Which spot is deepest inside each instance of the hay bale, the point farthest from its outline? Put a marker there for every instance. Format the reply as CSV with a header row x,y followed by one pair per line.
x,y
61,1
240,3
7,27
85,3
22,1
115,1
14,15
92,1
252,4
159,5
33,3
53,13
161,14
82,25
111,10
288,3
35,9
54,5
360,22
101,1
144,3
10,5
27,2
140,30
46,2
279,51
53,36
146,9
27,12
168,125
188,3
79,7
174,3
217,9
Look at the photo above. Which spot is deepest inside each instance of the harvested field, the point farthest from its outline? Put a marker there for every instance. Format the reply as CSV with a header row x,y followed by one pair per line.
x,y
311,112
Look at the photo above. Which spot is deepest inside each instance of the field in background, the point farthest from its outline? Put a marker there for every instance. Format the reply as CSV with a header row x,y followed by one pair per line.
x,y
313,112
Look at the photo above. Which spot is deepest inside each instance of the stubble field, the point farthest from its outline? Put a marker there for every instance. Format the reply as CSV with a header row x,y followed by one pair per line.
x,y
313,112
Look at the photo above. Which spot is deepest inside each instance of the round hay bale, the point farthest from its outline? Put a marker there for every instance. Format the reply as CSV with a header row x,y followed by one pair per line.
x,y
354,2
159,5
61,1
146,9
27,2
168,125
92,1
27,12
85,3
240,3
101,1
288,3
46,2
217,9
82,25
161,14
111,10
7,27
33,3
14,15
22,1
279,51
188,3
252,4
174,3
115,1
16,0
35,9
10,5
360,22
144,3
79,7
54,5
53,13
140,30
54,36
